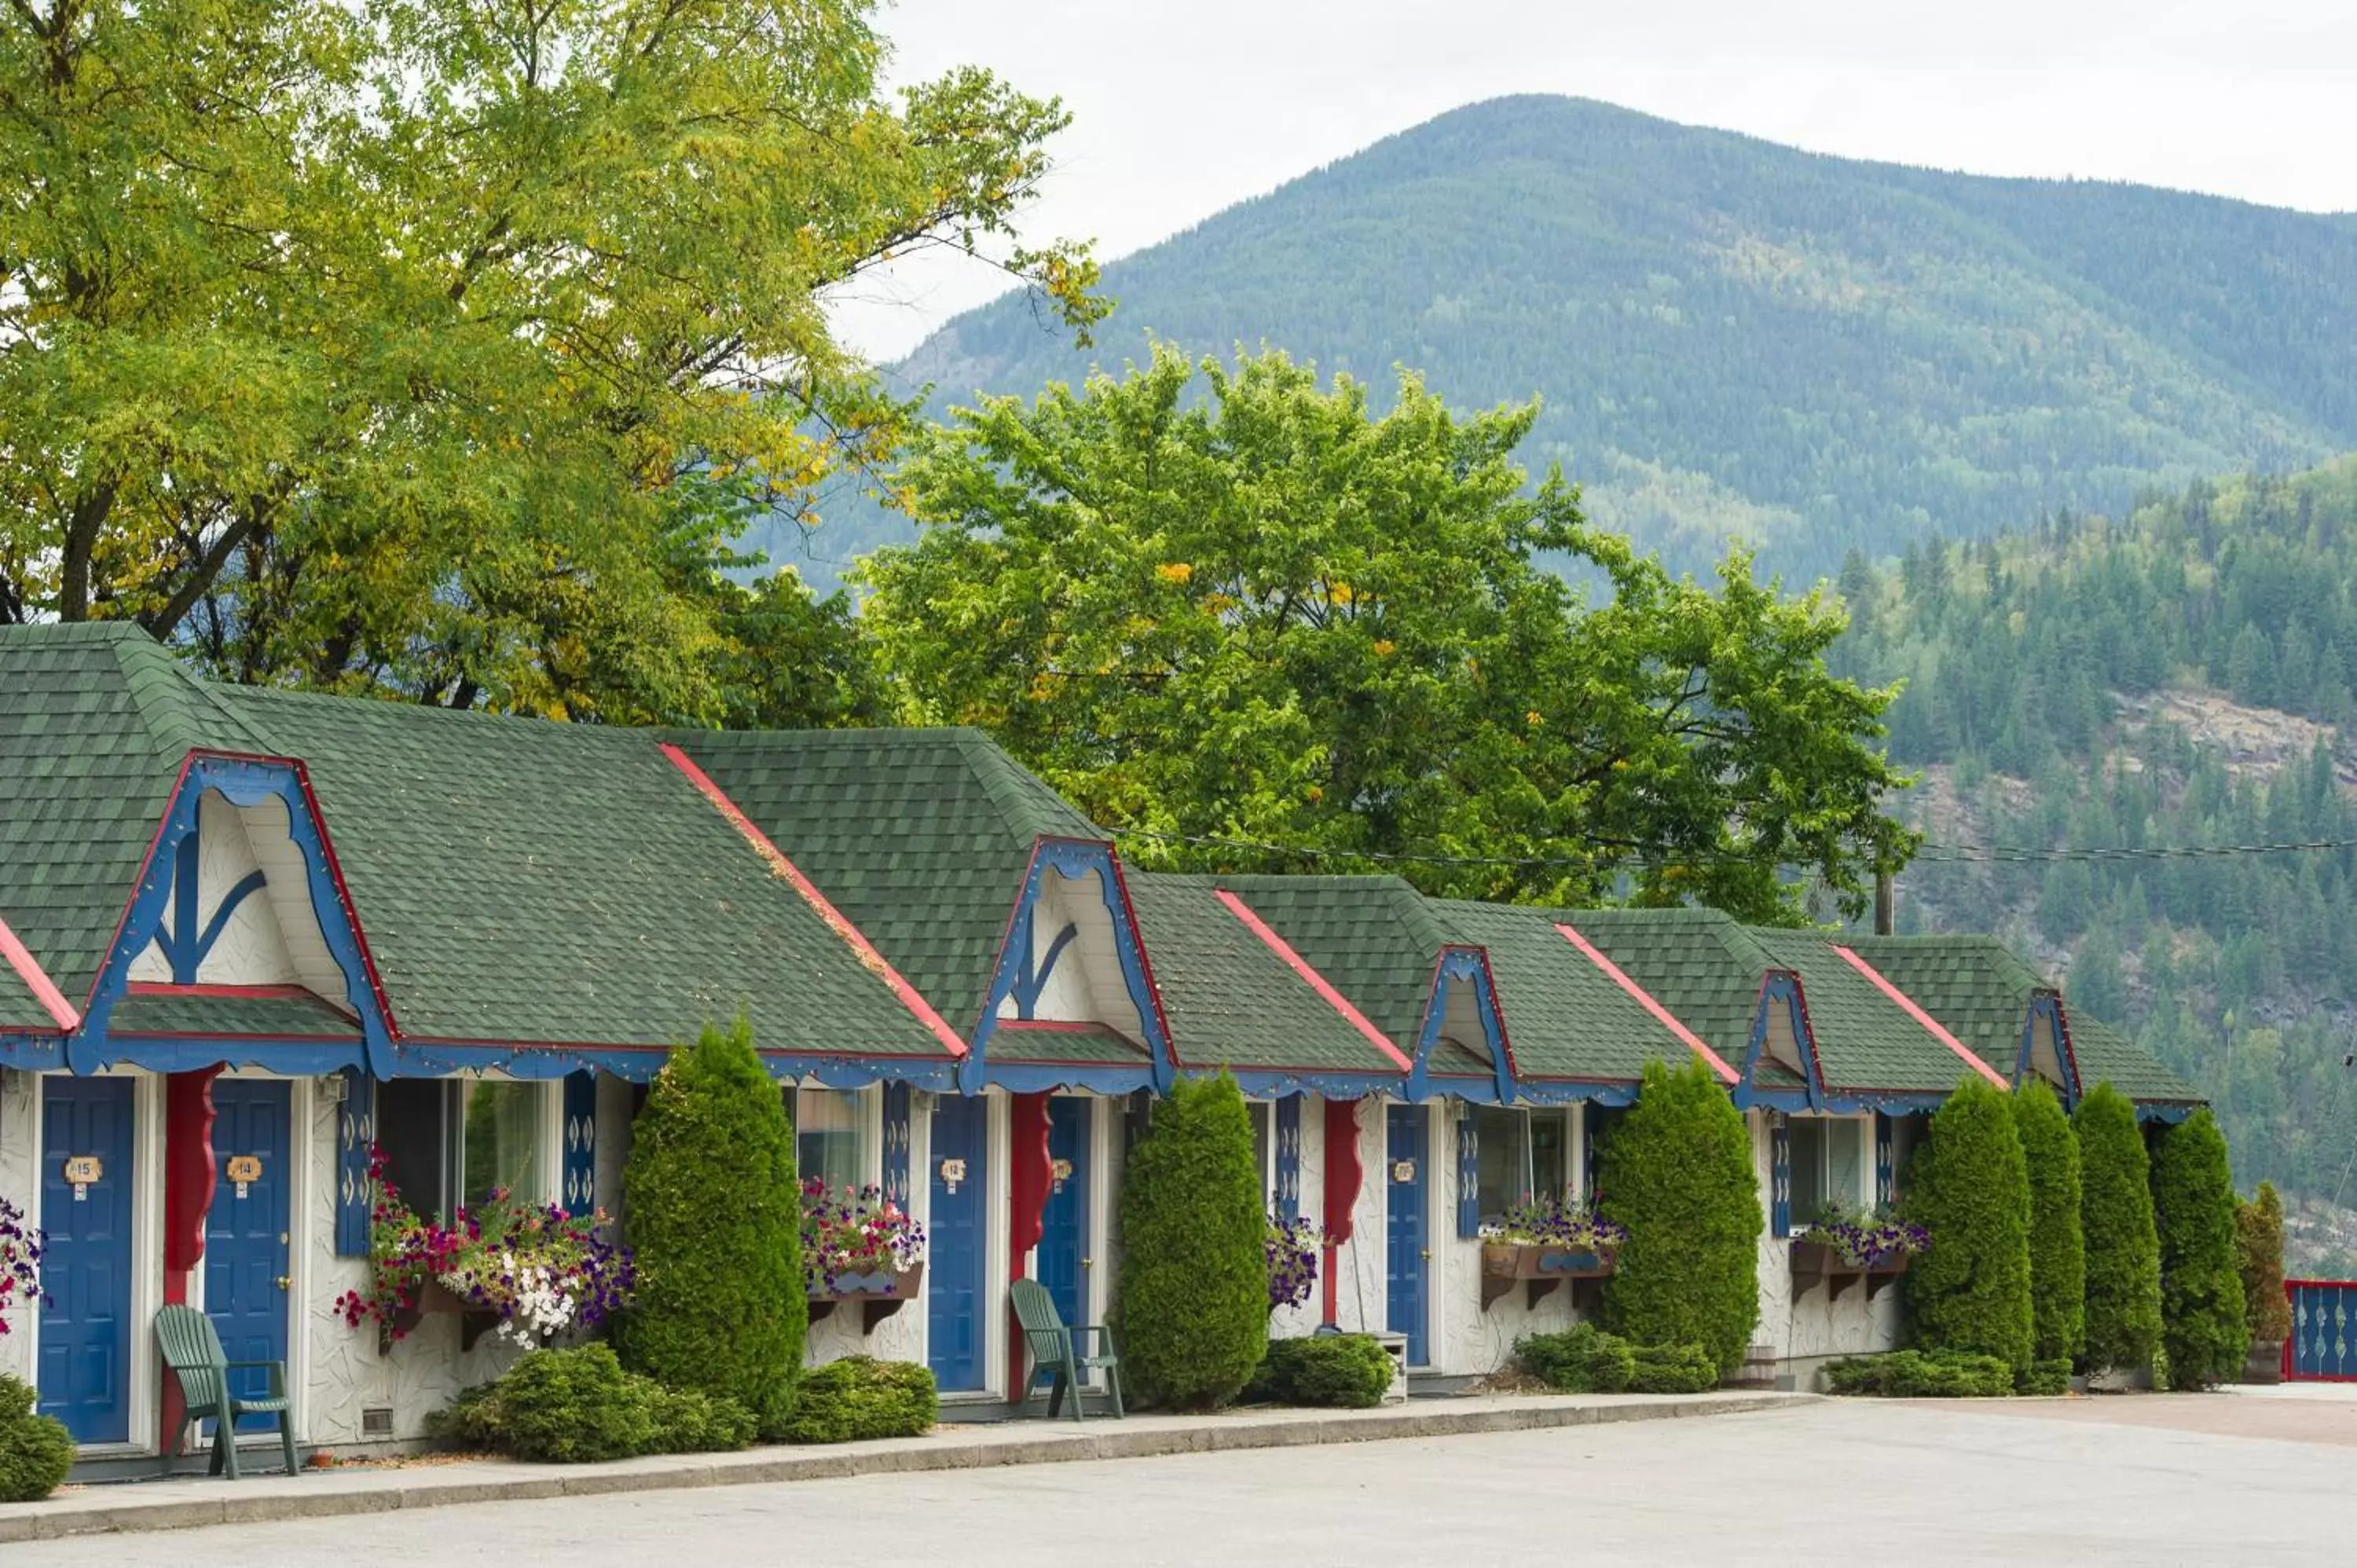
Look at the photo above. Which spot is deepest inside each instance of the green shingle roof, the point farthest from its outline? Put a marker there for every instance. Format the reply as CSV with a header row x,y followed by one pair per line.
x,y
1864,1039
289,1017
1699,964
1229,998
1565,1016
1374,939
921,837
2107,1055
1063,1046
518,881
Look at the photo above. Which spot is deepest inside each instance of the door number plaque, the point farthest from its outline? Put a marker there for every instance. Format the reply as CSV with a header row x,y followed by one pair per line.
x,y
953,1172
1403,1170
83,1171
243,1169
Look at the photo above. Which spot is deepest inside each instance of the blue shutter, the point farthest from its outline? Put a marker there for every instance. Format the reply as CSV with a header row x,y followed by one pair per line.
x,y
1882,1167
897,1100
1469,1174
355,1144
580,1191
1780,1165
1288,1159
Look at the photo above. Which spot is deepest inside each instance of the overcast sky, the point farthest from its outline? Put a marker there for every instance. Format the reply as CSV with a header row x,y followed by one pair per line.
x,y
1181,109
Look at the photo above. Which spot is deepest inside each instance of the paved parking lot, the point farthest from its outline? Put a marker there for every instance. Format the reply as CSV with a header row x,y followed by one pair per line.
x,y
2217,1479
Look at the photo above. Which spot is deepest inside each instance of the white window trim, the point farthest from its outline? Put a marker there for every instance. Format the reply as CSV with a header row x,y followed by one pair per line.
x,y
1861,1201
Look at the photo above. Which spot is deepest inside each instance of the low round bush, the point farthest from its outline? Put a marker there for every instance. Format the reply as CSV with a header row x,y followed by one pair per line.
x,y
688,1421
36,1451
2047,1379
578,1405
1922,1374
1582,1359
1672,1370
1340,1372
860,1397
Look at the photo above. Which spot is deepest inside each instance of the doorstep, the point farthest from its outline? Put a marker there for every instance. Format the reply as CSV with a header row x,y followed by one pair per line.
x,y
180,1504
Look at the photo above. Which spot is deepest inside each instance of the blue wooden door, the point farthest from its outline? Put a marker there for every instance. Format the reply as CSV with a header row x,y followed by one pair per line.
x,y
957,1253
248,1259
86,1328
1404,1245
1064,1219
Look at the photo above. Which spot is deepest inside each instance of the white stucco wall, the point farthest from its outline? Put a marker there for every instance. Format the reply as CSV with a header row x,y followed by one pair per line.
x,y
19,1179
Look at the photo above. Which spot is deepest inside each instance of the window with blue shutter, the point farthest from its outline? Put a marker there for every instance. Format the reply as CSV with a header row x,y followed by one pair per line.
x,y
579,1187
898,1098
1288,1159
1469,1173
355,1146
1779,1165
1883,1173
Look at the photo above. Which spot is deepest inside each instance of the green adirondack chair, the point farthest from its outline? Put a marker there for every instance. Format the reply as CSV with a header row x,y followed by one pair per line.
x,y
193,1354
1065,1349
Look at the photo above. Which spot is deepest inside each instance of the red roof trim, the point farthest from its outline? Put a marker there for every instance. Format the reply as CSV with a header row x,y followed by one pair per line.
x,y
1646,1000
37,981
837,922
1316,982
1907,1004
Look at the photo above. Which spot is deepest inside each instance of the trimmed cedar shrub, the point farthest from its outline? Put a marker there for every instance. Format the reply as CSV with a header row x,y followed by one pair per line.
x,y
2259,1254
860,1397
1677,1171
2058,1248
1672,1370
2202,1315
36,1451
2046,1379
2123,1247
578,1406
1922,1374
1970,1290
1191,1301
712,1212
1340,1372
1582,1359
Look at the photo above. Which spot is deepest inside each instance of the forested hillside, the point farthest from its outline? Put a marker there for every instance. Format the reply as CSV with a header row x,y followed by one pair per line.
x,y
1733,336
2153,707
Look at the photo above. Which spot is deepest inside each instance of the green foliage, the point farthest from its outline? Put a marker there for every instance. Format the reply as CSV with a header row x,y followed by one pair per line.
x,y
2202,1322
1920,1374
1191,1304
2123,1246
1809,352
578,1406
1672,1370
1677,1171
2047,1379
1274,615
1582,1359
1343,1371
36,1451
2058,1247
2258,1258
859,1397
396,345
713,1212
1970,1188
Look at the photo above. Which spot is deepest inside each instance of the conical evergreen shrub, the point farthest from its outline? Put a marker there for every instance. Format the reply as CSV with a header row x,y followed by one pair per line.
x,y
1678,1171
2123,1248
2258,1253
2202,1315
1191,1304
713,1212
2058,1246
1971,1190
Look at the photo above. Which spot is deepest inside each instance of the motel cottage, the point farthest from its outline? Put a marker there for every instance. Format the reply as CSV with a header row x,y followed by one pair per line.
x,y
248,937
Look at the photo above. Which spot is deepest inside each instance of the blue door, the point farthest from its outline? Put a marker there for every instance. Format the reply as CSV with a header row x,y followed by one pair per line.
x,y
1064,1219
248,1259
1403,1238
957,1254
86,1191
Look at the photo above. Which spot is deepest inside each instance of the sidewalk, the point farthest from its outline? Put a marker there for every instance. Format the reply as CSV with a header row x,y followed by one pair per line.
x,y
185,1502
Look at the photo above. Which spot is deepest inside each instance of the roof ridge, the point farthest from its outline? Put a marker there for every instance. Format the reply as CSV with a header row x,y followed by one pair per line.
x,y
174,707
1014,790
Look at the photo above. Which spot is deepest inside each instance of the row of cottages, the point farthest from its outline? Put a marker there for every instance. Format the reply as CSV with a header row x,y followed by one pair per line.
x,y
247,934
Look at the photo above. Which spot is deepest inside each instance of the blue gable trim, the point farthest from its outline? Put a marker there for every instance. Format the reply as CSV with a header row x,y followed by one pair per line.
x,y
1781,989
170,1053
186,946
2048,1008
1463,966
33,1053
245,782
1020,978
1574,1092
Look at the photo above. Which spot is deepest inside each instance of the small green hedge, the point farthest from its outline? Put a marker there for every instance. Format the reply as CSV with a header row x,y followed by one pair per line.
x,y
577,1406
1341,1372
36,1451
859,1397
2047,1379
1673,1369
1922,1374
1582,1359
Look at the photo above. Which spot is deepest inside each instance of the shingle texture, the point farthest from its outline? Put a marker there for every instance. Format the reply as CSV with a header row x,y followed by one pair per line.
x,y
1374,939
2107,1055
1865,1039
1699,964
1565,1017
272,1017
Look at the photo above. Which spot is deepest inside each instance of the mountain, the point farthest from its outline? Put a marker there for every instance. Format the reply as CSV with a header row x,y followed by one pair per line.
x,y
1733,336
2140,707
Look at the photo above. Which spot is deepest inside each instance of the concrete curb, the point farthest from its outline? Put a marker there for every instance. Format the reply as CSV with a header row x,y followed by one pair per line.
x,y
330,1494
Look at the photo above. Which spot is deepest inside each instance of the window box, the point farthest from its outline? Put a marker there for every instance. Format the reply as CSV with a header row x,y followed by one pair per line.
x,y
438,1299
879,1294
1505,1264
1821,1262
